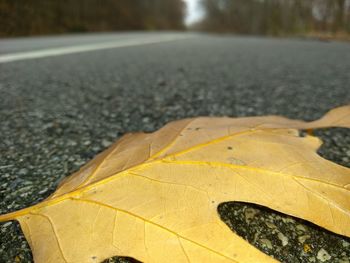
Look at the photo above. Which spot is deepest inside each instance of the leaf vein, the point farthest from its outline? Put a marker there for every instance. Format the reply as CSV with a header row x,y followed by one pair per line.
x,y
55,234
153,223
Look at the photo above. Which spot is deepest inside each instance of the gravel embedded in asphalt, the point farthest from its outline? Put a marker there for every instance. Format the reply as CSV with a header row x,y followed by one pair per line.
x,y
57,113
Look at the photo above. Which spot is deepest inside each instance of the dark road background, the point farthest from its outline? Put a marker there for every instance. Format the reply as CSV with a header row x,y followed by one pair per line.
x,y
58,112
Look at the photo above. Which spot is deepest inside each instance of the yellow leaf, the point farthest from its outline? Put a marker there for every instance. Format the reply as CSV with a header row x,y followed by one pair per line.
x,y
154,197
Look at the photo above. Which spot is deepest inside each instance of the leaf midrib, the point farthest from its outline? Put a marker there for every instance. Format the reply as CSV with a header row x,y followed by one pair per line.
x,y
150,162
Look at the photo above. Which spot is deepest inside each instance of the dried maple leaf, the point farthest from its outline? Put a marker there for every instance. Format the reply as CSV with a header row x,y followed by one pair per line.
x,y
154,196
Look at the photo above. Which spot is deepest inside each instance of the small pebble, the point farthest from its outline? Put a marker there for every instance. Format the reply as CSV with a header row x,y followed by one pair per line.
x,y
266,243
323,255
344,260
270,225
23,171
7,224
106,143
43,191
249,214
301,228
283,238
307,248
345,244
303,238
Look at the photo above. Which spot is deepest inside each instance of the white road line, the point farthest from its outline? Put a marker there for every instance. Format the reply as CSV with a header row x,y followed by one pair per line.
x,y
89,47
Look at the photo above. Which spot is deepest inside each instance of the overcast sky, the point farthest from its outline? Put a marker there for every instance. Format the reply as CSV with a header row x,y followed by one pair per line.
x,y
193,11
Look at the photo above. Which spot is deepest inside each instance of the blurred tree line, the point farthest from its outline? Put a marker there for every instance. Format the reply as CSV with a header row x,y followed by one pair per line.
x,y
35,17
276,17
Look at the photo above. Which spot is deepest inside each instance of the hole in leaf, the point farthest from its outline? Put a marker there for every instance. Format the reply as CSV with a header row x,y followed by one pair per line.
x,y
284,237
336,145
121,260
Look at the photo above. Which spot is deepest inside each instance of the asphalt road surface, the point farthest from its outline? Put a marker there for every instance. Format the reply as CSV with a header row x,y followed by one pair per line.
x,y
65,99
